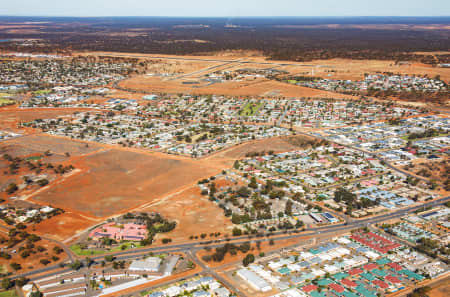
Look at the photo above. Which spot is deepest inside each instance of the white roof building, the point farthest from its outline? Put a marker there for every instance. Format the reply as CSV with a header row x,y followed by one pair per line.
x,y
151,264
172,291
254,280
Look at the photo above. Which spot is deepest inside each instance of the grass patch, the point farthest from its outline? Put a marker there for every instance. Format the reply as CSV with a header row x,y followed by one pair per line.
x,y
10,293
42,92
95,252
250,109
34,158
6,101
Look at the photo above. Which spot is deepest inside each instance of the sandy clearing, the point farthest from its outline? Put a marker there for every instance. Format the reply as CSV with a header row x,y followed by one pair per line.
x,y
105,188
257,87
194,215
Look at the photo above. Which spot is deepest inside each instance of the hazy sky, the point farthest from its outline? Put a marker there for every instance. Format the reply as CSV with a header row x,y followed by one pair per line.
x,y
233,8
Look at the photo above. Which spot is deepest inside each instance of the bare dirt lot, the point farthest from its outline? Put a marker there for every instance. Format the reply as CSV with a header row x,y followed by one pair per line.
x,y
40,143
34,162
194,215
113,181
355,69
62,226
440,291
33,260
109,180
275,144
438,170
257,87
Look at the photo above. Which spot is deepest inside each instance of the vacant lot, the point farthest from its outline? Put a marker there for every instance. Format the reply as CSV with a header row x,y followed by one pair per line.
x,y
33,148
40,143
440,291
257,87
194,215
355,69
275,144
33,261
114,181
62,226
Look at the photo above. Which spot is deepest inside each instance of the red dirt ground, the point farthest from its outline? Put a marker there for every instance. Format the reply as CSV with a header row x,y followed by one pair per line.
x,y
62,226
32,261
194,215
40,143
276,144
113,181
259,87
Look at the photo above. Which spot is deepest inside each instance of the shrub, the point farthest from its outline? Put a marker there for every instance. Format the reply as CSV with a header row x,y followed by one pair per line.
x,y
250,258
11,188
166,240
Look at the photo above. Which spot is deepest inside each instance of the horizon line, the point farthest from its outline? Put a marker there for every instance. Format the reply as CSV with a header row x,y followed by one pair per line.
x,y
236,17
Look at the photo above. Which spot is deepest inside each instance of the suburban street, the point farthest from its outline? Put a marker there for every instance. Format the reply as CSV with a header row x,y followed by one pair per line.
x,y
193,247
190,249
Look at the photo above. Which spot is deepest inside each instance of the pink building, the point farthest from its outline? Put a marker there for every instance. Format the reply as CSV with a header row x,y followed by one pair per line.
x,y
113,230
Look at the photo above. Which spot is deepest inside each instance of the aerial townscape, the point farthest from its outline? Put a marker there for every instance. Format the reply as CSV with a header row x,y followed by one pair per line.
x,y
222,157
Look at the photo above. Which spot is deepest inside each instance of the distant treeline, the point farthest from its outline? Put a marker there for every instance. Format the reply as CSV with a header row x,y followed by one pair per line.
x,y
440,97
278,43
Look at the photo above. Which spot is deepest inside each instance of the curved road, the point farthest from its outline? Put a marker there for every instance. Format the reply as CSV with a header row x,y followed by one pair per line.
x,y
275,236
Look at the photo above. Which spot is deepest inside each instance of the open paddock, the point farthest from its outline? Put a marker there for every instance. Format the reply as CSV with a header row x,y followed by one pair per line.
x,y
355,69
115,181
33,261
63,226
40,143
256,87
194,215
275,144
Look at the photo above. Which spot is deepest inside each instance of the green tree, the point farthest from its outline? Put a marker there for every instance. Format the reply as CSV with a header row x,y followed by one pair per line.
x,y
6,283
250,258
243,192
76,265
15,266
109,258
88,261
11,188
237,231
288,208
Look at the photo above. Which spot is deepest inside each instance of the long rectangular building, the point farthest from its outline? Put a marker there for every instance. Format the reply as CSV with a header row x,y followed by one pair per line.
x,y
254,280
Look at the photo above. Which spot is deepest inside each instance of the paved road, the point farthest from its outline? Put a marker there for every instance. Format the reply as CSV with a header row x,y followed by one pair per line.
x,y
275,236
206,269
